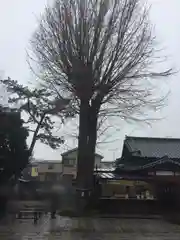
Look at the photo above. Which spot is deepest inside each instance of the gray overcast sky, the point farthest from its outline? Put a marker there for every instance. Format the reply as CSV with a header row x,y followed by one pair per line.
x,y
18,21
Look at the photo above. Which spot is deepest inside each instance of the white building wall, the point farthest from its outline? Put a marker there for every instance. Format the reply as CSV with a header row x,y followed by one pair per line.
x,y
72,168
44,167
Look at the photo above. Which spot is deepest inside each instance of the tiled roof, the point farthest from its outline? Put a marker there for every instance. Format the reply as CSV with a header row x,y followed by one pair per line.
x,y
109,176
104,169
159,162
47,161
153,147
115,176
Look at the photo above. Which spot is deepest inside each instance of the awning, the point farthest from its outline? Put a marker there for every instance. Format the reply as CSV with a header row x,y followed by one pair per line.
x,y
104,170
115,176
106,175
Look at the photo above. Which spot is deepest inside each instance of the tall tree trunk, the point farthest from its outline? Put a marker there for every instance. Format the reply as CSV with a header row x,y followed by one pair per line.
x,y
86,154
87,145
92,134
83,146
81,184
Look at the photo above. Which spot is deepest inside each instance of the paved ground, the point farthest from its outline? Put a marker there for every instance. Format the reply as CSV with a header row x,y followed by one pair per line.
x,y
95,229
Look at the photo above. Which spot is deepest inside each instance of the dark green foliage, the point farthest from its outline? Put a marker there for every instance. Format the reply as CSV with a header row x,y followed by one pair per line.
x,y
14,154
41,108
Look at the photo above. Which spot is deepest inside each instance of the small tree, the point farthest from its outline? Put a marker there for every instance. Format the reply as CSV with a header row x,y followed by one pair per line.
x,y
39,107
102,54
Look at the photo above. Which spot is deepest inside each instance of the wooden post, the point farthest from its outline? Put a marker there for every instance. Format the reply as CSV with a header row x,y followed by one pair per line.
x,y
35,217
53,214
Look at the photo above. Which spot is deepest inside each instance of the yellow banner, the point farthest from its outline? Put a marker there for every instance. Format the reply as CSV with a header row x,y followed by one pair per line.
x,y
122,182
141,183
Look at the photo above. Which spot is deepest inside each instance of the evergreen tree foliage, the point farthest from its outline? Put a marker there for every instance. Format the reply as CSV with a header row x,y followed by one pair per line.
x,y
14,154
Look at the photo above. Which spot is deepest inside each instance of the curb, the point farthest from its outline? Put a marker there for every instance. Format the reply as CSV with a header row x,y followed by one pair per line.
x,y
126,216
131,216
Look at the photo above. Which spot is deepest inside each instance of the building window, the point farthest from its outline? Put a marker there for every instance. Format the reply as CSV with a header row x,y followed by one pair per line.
x,y
69,162
50,166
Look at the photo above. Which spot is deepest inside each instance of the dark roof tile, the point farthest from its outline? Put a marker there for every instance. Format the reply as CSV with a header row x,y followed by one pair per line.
x,y
110,176
153,147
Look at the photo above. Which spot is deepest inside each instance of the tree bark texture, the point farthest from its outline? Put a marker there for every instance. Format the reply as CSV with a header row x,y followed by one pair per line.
x,y
82,144
87,144
92,132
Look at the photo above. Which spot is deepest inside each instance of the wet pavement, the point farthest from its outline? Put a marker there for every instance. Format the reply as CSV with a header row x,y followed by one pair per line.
x,y
65,228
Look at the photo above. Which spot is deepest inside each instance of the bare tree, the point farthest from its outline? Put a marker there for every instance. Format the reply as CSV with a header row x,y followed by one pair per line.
x,y
102,54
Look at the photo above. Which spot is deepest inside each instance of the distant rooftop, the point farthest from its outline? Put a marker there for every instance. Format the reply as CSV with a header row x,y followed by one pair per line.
x,y
153,147
45,161
74,150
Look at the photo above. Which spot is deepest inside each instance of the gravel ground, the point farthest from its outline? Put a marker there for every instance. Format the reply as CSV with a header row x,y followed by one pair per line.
x,y
88,228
